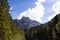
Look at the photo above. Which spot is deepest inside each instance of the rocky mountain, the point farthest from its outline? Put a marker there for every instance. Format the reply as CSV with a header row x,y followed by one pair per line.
x,y
47,31
26,23
8,29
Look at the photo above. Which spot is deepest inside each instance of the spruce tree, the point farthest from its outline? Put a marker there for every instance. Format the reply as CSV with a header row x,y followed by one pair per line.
x,y
8,29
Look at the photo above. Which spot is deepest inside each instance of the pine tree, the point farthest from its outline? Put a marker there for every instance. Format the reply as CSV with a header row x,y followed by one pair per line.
x,y
8,29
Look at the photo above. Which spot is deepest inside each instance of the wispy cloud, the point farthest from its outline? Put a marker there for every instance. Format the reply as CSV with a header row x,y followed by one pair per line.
x,y
34,13
11,8
56,9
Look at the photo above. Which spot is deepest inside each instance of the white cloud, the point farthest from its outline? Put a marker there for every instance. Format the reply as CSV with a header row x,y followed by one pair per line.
x,y
34,13
51,17
56,9
11,8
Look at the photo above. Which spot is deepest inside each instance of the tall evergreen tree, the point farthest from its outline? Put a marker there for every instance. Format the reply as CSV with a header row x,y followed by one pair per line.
x,y
8,30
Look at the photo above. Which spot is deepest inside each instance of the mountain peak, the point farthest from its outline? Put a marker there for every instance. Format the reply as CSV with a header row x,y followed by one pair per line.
x,y
24,18
26,23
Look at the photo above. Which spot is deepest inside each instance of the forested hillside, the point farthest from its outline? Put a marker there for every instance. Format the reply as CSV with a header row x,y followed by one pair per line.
x,y
47,31
8,29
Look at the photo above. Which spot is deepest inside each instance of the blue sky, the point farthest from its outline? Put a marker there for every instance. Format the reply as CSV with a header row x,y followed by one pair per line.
x,y
39,10
19,6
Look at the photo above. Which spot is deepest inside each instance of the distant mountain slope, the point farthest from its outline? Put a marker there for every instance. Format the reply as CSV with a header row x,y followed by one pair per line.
x,y
47,31
8,29
25,22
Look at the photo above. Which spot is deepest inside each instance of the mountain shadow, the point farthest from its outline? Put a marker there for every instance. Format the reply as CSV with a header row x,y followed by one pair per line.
x,y
47,31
